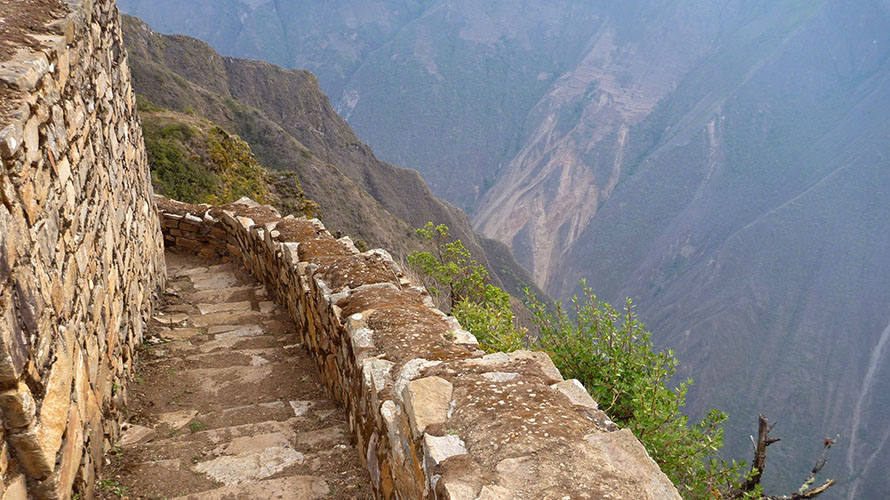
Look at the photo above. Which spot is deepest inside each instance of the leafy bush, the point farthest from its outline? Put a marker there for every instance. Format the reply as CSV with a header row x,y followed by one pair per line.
x,y
173,172
462,285
611,353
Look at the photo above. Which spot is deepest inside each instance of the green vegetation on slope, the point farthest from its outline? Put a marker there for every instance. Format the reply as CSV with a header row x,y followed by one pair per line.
x,y
195,161
463,286
607,351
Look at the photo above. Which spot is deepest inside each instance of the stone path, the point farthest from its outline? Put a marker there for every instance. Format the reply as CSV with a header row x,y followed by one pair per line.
x,y
226,404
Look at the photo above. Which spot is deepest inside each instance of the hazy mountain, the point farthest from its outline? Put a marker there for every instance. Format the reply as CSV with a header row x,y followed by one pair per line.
x,y
726,163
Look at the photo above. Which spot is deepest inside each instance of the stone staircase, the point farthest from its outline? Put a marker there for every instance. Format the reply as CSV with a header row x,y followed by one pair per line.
x,y
227,404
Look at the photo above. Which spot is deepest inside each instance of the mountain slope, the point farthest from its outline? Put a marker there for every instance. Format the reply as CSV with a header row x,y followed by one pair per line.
x,y
329,38
291,126
194,161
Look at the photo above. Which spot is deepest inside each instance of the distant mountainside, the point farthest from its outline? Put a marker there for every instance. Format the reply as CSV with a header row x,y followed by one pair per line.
x,y
291,127
726,163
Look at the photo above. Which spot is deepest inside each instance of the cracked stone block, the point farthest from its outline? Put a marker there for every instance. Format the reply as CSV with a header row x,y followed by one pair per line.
x,y
577,394
18,406
498,377
427,402
494,492
436,449
542,359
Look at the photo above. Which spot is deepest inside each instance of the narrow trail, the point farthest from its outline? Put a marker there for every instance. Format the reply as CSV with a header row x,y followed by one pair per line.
x,y
226,404
873,364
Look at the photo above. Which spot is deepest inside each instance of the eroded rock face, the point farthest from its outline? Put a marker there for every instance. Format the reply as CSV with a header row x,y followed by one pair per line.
x,y
81,251
432,415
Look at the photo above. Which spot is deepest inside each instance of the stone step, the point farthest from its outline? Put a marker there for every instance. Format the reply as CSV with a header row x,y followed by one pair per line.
x,y
280,411
247,442
188,424
207,333
198,473
215,281
284,488
226,318
193,476
166,478
179,333
244,292
227,403
239,357
244,305
173,386
218,388
189,271
308,436
192,346
247,342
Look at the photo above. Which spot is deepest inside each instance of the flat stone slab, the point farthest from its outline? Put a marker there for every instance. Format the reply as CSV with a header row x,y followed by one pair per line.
x,y
246,414
193,272
286,488
177,419
231,337
224,306
250,465
214,281
225,294
133,434
172,320
180,333
225,318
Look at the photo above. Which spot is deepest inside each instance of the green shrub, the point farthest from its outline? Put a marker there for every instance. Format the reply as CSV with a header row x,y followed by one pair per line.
x,y
197,165
176,175
462,285
611,353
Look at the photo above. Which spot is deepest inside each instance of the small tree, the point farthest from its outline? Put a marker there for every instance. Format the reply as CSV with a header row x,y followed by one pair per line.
x,y
463,284
455,273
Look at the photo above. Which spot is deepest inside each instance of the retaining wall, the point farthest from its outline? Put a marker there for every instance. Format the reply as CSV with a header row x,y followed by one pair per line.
x,y
81,253
433,416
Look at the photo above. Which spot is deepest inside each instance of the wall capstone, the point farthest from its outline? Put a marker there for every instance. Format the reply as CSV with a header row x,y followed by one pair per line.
x,y
433,415
81,252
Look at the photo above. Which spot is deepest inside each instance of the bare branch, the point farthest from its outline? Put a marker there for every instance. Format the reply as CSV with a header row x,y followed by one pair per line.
x,y
805,491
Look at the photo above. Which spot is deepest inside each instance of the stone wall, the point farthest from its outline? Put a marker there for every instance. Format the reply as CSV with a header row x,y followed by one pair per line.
x,y
433,416
81,253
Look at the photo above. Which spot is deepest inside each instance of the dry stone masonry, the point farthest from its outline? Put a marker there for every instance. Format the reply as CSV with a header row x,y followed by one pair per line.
x,y
433,416
81,253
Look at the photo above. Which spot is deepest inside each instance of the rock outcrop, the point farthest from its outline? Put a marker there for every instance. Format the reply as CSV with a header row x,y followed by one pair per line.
x,y
81,254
